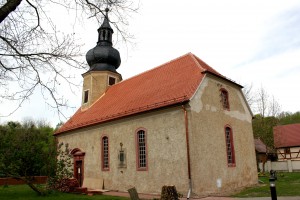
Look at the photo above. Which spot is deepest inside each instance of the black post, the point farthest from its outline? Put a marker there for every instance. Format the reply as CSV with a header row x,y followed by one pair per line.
x,y
273,188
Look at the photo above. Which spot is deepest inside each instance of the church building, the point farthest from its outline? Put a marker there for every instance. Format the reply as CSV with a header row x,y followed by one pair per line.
x,y
181,123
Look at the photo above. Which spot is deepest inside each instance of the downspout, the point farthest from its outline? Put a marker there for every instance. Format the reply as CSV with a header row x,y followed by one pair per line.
x,y
187,151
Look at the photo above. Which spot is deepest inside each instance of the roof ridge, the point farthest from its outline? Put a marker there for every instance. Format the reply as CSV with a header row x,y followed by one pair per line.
x,y
208,67
161,65
287,125
196,61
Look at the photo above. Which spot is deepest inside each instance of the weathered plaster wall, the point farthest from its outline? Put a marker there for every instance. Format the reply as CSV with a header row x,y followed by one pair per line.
x,y
207,135
166,144
166,152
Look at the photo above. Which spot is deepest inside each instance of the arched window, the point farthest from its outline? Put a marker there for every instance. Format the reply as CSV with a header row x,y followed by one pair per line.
x,y
105,154
141,150
229,147
224,99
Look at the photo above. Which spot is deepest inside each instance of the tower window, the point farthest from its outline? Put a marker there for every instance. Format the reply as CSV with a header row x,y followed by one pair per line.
x,y
86,96
111,80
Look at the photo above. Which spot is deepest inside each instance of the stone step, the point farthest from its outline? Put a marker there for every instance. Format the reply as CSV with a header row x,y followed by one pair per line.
x,y
91,192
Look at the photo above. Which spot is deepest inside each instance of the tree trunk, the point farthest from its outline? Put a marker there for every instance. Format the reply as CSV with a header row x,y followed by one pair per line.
x,y
37,190
7,8
30,184
169,192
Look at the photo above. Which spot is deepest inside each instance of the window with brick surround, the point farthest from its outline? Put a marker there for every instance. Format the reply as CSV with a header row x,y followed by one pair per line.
x,y
105,154
224,99
141,150
229,147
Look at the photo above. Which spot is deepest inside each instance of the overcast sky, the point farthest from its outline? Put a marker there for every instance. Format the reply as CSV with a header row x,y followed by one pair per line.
x,y
250,42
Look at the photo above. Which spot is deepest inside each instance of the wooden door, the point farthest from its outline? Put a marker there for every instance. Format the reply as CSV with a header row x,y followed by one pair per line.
x,y
79,171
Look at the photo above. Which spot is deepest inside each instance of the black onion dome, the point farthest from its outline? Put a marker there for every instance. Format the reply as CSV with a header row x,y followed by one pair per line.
x,y
103,56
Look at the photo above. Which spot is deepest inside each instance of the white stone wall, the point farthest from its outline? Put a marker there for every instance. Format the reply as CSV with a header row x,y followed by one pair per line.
x,y
283,165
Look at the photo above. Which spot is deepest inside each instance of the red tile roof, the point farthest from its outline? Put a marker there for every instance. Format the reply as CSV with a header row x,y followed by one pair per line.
x,y
287,135
171,83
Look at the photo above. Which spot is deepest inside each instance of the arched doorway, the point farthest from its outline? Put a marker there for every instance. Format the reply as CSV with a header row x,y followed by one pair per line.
x,y
78,159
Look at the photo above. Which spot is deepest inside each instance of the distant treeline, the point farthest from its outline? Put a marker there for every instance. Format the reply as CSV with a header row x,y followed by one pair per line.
x,y
263,126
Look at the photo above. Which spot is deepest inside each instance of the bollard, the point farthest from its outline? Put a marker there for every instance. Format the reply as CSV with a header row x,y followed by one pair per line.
x,y
273,188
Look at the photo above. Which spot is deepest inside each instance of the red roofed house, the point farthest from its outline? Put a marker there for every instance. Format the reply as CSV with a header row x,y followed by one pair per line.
x,y
181,123
287,141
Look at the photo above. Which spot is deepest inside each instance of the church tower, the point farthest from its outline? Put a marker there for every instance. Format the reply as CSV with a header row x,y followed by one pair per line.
x,y
103,60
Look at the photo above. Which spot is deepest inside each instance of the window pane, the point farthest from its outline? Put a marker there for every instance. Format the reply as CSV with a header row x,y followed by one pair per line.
x,y
142,162
229,146
86,96
105,158
224,99
111,80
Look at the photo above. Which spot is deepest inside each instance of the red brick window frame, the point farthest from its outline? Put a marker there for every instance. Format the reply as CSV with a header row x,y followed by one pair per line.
x,y
105,153
229,147
141,150
224,99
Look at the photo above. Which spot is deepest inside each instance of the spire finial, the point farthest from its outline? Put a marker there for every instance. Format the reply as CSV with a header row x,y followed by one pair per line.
x,y
106,13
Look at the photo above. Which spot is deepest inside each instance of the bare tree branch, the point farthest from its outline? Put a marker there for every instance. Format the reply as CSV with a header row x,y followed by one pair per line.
x,y
7,8
248,92
34,54
37,13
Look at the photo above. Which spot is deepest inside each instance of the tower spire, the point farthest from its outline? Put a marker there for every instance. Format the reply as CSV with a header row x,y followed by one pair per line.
x,y
105,31
103,57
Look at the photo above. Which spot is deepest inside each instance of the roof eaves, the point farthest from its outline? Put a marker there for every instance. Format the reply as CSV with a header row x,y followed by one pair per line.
x,y
285,146
199,85
221,77
126,113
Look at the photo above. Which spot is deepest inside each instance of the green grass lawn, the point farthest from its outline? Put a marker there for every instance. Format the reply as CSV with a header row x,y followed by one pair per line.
x,y
23,192
287,184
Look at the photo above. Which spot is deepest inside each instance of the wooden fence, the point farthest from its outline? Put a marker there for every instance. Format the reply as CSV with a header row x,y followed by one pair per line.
x,y
12,181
